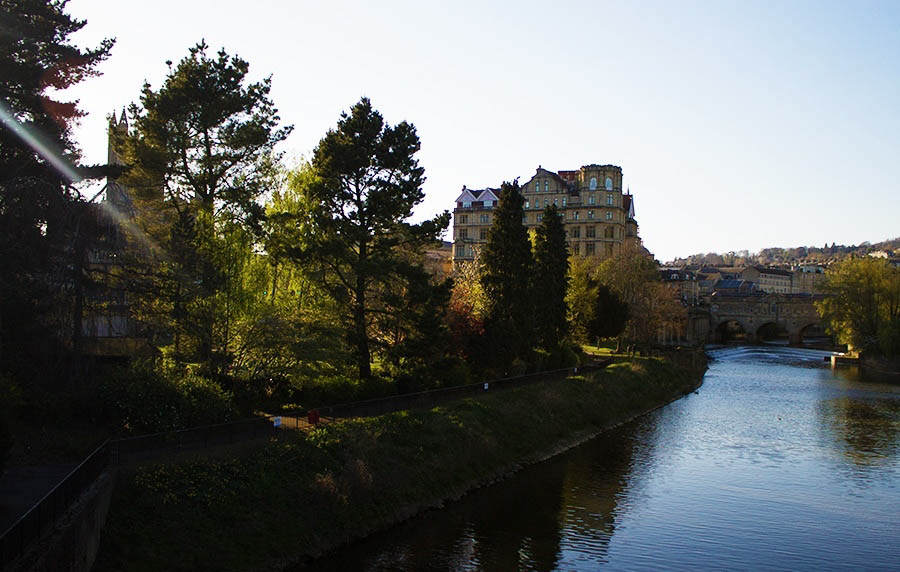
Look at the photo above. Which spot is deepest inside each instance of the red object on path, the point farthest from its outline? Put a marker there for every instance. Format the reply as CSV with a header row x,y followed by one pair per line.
x,y
313,416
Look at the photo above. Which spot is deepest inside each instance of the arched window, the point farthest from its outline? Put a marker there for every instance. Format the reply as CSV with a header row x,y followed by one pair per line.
x,y
593,183
608,184
546,185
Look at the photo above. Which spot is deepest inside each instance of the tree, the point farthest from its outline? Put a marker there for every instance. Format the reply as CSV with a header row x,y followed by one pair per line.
x,y
609,316
355,231
201,154
39,206
551,268
863,309
506,280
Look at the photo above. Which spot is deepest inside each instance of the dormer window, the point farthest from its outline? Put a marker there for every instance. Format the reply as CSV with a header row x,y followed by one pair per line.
x,y
608,184
488,203
592,185
467,204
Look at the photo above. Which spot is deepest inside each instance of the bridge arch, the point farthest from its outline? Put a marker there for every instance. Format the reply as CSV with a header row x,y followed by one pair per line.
x,y
730,330
772,331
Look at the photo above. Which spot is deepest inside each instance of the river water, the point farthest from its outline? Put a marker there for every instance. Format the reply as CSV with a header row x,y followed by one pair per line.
x,y
776,463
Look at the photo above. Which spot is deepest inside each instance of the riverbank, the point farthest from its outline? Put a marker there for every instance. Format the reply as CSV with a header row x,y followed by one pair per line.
x,y
305,494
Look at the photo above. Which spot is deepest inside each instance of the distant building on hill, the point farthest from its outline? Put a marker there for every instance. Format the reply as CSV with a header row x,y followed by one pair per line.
x,y
598,217
771,280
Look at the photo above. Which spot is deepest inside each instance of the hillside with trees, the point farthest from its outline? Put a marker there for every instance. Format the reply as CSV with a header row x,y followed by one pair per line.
x,y
774,256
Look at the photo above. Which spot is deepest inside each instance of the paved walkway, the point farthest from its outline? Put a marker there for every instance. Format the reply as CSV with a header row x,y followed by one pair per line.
x,y
22,487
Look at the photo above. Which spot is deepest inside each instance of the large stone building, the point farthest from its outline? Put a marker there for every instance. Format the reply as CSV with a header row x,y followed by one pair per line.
x,y
599,217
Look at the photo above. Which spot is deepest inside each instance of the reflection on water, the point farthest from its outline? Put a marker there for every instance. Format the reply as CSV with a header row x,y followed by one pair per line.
x,y
778,463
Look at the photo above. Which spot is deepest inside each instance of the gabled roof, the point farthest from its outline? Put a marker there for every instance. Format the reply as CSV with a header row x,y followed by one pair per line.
x,y
488,195
465,196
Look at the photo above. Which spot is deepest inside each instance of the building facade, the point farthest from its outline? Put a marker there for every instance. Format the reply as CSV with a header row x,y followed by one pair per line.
x,y
598,217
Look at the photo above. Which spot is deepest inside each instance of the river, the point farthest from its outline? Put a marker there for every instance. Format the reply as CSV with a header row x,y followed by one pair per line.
x,y
776,463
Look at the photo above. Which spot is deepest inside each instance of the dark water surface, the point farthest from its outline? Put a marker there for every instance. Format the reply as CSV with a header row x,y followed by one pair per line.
x,y
776,464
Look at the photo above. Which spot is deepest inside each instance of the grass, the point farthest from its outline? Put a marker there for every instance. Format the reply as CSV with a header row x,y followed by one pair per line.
x,y
298,496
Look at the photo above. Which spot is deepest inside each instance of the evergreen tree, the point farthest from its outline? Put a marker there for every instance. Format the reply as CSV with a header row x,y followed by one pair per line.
x,y
40,210
367,181
551,280
610,314
200,156
507,266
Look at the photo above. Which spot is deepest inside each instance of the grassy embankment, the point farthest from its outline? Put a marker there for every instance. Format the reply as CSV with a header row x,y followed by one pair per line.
x,y
306,493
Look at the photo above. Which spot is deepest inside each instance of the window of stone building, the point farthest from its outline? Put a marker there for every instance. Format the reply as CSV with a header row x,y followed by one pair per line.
x,y
463,219
609,232
609,249
555,201
460,250
564,202
527,203
608,184
463,233
589,249
524,219
539,217
576,248
575,215
546,203
591,199
608,215
575,232
483,234
593,183
485,218
590,215
546,185
609,199
537,186
590,231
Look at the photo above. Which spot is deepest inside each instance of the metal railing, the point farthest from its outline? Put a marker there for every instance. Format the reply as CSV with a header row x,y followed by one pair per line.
x,y
41,519
300,418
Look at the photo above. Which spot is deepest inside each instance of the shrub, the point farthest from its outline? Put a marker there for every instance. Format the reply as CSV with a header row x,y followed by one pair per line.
x,y
141,399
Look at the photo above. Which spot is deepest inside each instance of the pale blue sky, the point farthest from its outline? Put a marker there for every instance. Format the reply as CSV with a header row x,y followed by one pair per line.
x,y
738,125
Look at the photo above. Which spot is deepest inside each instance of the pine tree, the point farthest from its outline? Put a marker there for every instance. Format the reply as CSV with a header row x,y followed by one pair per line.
x,y
367,181
507,266
551,269
40,210
199,158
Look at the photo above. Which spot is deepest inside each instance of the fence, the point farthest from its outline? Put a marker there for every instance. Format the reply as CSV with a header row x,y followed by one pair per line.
x,y
41,519
426,399
135,448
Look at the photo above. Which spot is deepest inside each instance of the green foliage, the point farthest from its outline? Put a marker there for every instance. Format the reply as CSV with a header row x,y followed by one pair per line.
x,y
143,399
38,205
199,158
364,184
507,264
550,275
610,314
356,476
863,309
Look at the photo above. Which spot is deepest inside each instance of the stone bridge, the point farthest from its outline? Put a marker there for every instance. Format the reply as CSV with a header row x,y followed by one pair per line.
x,y
755,313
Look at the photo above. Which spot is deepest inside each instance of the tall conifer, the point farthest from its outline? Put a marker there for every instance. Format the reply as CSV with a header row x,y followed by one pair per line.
x,y
506,280
551,269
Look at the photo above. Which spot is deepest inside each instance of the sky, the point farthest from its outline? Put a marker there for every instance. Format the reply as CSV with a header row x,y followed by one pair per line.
x,y
738,125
